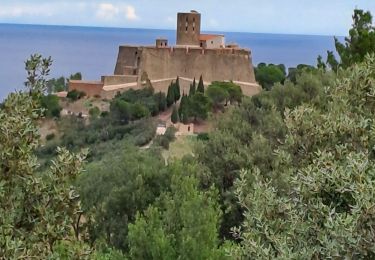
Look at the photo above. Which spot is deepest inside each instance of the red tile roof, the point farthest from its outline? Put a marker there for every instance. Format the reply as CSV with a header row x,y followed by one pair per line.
x,y
206,37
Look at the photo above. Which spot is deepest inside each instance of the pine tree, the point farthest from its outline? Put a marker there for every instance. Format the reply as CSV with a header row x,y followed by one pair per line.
x,y
174,117
192,88
177,91
200,85
170,95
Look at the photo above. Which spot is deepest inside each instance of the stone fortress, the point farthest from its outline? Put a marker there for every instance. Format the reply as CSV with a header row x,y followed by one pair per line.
x,y
194,54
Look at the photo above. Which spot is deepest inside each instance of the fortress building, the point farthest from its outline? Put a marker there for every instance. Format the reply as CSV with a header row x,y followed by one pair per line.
x,y
194,54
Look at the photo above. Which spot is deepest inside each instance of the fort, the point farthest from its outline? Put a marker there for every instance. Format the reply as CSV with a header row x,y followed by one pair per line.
x,y
194,54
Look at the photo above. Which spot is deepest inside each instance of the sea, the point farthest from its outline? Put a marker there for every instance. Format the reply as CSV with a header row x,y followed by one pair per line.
x,y
93,50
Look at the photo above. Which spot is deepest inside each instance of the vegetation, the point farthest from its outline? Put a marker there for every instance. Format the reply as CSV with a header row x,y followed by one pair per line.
x,y
286,174
51,105
268,75
326,165
74,95
39,211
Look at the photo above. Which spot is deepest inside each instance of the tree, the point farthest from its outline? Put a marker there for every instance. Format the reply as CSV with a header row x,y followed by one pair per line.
x,y
360,42
170,94
217,94
39,211
177,94
172,229
325,207
120,110
51,105
192,88
184,106
200,87
199,105
174,117
268,75
76,76
94,112
118,186
162,101
332,62
320,64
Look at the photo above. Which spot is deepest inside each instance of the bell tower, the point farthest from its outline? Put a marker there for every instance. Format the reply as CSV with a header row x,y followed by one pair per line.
x,y
188,28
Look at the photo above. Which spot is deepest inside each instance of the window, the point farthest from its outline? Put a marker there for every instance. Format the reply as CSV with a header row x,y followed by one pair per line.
x,y
186,28
212,42
193,28
194,19
187,19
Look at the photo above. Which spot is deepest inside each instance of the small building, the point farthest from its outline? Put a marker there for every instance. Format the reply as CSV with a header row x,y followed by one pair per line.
x,y
161,43
212,41
161,129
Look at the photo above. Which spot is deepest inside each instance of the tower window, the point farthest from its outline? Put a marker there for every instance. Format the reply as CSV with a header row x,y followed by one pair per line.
x,y
187,19
186,28
194,19
193,28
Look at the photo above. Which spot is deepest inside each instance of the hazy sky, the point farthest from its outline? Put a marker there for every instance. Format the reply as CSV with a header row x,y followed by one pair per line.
x,y
328,17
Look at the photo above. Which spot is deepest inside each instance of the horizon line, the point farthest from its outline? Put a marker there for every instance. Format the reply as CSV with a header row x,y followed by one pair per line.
x,y
161,29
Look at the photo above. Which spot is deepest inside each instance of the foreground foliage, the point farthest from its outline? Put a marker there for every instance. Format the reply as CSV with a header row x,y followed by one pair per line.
x,y
39,211
326,207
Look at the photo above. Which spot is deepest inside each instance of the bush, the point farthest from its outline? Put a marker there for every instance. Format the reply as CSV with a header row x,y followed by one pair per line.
x,y
74,95
50,136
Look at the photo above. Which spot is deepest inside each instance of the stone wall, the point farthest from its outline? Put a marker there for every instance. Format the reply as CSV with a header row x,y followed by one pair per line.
x,y
118,79
212,64
162,63
91,88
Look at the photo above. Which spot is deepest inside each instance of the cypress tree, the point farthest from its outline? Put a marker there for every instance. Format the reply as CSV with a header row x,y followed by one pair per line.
x,y
170,95
200,85
192,88
183,104
174,117
177,94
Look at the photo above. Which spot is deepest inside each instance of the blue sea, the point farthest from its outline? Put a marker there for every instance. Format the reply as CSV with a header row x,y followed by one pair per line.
x,y
93,51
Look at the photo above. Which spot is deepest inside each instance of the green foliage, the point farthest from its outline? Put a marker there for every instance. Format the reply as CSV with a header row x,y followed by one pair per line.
x,y
217,95
94,112
268,75
172,229
325,207
56,85
74,95
51,106
171,95
360,42
50,136
174,117
192,89
200,87
177,90
246,136
39,211
166,139
136,104
37,69
118,186
76,76
199,105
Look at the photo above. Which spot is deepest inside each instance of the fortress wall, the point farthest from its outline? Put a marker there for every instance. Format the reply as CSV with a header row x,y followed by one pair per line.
x,y
127,59
91,89
118,79
213,64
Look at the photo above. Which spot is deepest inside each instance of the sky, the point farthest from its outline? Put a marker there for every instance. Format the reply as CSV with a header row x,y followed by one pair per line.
x,y
318,17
